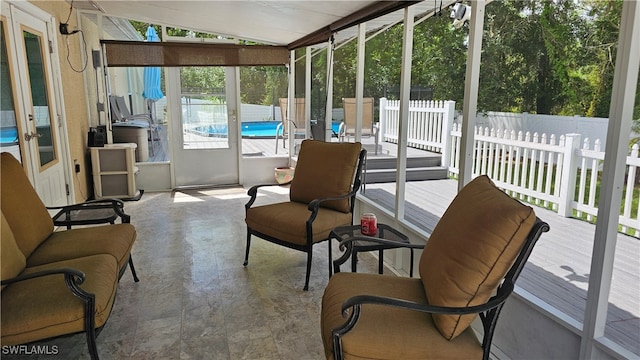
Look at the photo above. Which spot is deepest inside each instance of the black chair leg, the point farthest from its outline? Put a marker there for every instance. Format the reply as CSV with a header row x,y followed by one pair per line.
x,y
330,256
92,345
246,255
89,321
133,270
306,281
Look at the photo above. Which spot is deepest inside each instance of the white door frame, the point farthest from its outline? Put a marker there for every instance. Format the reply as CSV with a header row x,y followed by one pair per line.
x,y
201,163
52,181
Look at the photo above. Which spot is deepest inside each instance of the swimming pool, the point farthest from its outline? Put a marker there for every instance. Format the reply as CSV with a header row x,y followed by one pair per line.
x,y
9,135
250,129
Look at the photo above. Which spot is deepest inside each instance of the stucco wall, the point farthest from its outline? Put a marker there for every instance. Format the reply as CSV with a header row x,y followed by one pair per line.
x,y
75,99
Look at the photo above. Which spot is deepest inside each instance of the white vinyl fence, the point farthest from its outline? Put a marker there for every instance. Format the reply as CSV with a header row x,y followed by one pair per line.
x,y
538,168
428,125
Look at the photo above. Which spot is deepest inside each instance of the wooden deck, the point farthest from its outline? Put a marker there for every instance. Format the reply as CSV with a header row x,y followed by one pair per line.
x,y
558,269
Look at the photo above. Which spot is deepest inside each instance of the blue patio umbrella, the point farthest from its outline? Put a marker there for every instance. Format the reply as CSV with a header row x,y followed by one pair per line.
x,y
152,74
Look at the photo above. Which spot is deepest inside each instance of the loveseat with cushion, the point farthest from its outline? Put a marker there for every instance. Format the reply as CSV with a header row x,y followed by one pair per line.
x,y
55,282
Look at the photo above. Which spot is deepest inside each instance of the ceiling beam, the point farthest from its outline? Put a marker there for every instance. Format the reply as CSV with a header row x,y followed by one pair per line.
x,y
367,13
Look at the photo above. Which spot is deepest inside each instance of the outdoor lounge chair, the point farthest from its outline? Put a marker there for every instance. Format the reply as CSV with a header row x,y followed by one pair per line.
x,y
478,247
322,195
348,128
120,112
297,122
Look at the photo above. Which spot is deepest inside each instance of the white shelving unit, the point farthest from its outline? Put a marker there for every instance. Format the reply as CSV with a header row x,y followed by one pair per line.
x,y
114,171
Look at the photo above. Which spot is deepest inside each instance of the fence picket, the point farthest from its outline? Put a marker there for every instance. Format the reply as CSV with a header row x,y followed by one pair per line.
x,y
594,180
549,169
540,168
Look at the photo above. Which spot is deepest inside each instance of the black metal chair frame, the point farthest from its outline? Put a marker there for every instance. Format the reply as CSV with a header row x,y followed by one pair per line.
x,y
314,207
488,311
73,278
64,218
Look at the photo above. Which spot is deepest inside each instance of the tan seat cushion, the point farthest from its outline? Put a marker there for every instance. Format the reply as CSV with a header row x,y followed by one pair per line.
x,y
12,259
25,212
471,248
115,240
44,307
385,332
324,170
287,221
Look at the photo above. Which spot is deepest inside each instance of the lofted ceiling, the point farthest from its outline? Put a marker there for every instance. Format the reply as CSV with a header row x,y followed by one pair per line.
x,y
267,22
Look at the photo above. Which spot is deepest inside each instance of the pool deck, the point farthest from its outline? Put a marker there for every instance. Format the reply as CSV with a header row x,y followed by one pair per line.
x,y
267,146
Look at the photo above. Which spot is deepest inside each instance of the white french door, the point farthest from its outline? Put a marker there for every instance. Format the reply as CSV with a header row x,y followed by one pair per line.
x,y
205,139
32,106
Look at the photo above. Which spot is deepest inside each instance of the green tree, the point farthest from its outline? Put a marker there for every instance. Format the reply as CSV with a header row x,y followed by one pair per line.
x,y
263,84
602,45
539,56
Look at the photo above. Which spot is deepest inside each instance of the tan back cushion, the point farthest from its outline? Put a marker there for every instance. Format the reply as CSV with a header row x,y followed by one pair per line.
x,y
25,212
12,260
471,249
325,169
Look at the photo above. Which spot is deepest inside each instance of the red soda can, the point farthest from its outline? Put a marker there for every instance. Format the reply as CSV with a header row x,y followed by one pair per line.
x,y
369,224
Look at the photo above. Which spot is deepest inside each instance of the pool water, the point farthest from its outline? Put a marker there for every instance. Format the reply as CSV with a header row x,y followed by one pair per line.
x,y
9,135
250,129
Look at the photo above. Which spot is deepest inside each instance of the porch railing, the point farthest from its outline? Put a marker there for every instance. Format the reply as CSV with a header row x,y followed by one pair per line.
x,y
557,172
429,122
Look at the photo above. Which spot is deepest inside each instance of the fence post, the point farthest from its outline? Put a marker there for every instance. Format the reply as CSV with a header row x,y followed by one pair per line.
x,y
568,176
447,126
382,119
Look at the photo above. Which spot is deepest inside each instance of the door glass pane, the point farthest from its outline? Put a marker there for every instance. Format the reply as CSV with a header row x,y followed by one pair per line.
x,y
204,108
8,126
40,98
623,313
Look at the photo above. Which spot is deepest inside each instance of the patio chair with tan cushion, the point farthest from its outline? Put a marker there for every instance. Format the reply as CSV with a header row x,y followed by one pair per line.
x,y
296,124
321,197
348,128
478,247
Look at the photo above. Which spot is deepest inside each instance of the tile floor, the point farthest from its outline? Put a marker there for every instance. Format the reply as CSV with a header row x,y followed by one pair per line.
x,y
195,300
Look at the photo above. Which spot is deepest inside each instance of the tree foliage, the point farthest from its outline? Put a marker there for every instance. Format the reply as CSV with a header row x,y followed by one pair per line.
x,y
538,56
545,57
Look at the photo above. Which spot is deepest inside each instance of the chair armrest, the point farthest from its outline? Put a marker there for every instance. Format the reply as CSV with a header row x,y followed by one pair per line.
x,y
355,302
77,275
72,278
315,204
253,193
62,217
